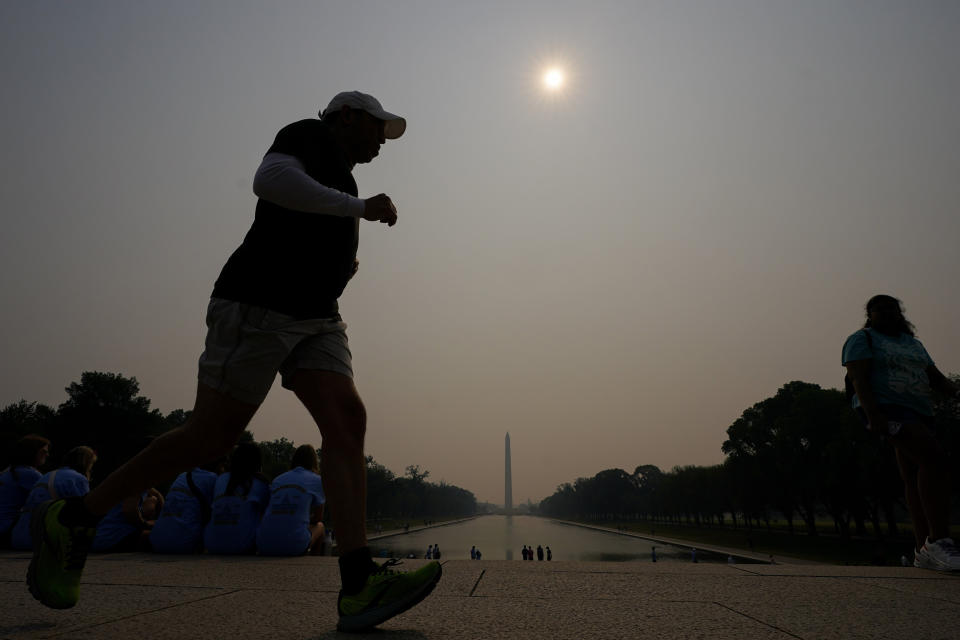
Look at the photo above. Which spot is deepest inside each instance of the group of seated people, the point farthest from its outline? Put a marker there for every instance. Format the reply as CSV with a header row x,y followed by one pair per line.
x,y
225,512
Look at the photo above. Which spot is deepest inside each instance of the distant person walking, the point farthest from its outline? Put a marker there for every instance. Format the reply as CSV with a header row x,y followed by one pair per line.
x,y
653,554
473,552
274,310
893,377
549,554
524,552
539,553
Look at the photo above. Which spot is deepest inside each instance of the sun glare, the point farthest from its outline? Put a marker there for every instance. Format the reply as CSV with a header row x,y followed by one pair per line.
x,y
553,79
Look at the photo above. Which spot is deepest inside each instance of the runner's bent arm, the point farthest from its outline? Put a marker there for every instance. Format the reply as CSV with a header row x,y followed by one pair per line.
x,y
283,180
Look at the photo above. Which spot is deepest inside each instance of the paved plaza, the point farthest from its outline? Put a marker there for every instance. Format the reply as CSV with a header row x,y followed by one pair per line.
x,y
145,596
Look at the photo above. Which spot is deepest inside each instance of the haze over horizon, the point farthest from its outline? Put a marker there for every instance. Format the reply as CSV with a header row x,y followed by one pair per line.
x,y
612,271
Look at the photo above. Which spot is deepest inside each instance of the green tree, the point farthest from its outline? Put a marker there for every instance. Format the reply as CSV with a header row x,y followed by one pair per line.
x,y
177,417
803,450
379,490
276,456
416,475
647,478
411,496
947,410
106,411
19,419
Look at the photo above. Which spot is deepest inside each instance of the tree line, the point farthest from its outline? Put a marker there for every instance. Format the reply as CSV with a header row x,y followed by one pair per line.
x,y
799,456
105,411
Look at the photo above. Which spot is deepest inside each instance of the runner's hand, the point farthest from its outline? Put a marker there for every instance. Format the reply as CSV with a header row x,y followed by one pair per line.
x,y
380,208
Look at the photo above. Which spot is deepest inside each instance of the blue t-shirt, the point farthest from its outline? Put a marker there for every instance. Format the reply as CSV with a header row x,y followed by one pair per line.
x,y
234,519
285,528
114,528
14,492
179,528
66,482
898,371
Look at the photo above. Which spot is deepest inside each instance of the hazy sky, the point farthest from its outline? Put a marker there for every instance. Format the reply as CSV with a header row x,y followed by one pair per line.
x,y
611,273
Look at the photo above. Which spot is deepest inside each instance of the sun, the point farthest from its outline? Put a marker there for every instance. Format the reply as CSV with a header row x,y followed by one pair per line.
x,y
553,79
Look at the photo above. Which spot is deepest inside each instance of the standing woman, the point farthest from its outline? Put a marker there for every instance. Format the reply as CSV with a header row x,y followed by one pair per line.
x,y
893,377
29,455
239,498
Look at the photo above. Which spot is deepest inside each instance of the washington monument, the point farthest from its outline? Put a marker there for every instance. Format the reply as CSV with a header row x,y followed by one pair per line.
x,y
507,482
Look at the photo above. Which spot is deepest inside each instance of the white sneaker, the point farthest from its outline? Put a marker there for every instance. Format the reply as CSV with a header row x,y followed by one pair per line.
x,y
941,555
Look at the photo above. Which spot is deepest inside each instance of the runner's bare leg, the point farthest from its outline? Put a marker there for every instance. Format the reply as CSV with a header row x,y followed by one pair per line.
x,y
336,407
210,432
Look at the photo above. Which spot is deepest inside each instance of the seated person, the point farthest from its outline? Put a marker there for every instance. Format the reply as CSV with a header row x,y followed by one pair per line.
x,y
292,523
72,479
239,498
28,456
186,510
127,526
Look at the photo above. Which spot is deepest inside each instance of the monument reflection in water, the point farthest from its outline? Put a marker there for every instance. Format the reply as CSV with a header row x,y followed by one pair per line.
x,y
502,538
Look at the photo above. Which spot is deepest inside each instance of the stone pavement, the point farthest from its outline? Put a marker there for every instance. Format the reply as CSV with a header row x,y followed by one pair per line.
x,y
146,596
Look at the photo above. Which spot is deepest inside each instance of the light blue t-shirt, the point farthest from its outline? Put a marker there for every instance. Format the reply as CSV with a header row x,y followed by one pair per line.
x,y
285,528
179,528
898,371
66,482
14,492
234,519
114,528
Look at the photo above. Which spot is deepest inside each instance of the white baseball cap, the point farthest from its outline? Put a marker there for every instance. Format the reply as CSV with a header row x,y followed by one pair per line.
x,y
395,125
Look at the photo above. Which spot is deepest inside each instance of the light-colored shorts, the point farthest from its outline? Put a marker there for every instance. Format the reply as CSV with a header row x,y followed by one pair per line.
x,y
247,345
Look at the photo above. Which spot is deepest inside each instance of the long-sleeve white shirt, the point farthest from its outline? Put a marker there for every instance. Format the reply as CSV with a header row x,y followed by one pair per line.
x,y
283,180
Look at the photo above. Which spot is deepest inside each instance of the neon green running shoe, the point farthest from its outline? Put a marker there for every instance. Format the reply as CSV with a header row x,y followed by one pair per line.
x,y
59,553
386,594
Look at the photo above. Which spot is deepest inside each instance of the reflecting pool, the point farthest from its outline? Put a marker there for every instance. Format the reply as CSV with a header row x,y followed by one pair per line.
x,y
503,538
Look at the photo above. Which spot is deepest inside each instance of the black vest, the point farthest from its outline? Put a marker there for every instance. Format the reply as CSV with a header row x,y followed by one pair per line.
x,y
294,262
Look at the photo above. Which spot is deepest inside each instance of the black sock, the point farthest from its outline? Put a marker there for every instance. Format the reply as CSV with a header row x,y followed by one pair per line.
x,y
355,567
75,514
